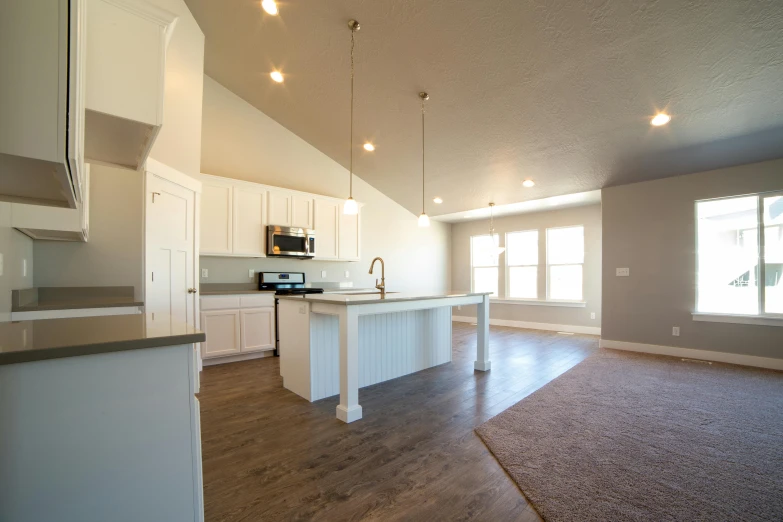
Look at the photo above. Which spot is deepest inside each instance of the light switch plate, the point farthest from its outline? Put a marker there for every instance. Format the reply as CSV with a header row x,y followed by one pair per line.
x,y
347,274
623,272
24,267
251,273
205,273
323,274
1,264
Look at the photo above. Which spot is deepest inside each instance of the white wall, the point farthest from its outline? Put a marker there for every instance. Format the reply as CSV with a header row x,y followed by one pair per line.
x,y
587,216
241,142
17,250
113,256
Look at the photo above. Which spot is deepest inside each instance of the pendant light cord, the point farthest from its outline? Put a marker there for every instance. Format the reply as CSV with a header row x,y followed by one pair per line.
x,y
422,155
350,171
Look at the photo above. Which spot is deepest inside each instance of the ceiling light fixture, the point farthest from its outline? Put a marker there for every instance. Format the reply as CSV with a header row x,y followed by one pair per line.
x,y
424,220
369,147
350,206
528,183
277,76
496,248
660,119
437,201
269,6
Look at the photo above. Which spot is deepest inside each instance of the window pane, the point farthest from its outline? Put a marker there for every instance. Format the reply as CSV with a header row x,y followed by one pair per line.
x,y
485,280
523,282
522,248
728,251
483,251
565,282
773,254
565,245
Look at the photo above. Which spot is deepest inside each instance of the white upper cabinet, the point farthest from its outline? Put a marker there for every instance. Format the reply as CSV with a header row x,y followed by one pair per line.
x,y
42,58
327,219
302,210
349,232
126,63
216,217
249,223
279,208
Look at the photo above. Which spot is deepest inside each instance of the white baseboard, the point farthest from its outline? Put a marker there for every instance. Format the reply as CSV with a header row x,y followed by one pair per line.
x,y
691,353
236,358
591,330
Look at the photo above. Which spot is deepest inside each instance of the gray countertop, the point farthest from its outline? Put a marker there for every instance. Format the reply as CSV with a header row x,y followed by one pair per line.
x,y
26,341
375,298
68,298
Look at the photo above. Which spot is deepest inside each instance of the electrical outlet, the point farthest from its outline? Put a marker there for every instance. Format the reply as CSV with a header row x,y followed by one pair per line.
x,y
251,273
323,274
205,273
623,272
24,267
1,264
592,315
302,310
347,274
676,331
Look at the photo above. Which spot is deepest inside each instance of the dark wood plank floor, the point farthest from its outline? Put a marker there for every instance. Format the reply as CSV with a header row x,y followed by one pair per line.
x,y
270,455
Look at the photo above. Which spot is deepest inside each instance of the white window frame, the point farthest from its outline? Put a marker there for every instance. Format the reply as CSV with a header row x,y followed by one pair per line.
x,y
473,268
548,265
507,289
761,318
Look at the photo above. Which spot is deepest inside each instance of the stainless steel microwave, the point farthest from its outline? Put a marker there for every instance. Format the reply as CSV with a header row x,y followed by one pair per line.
x,y
290,242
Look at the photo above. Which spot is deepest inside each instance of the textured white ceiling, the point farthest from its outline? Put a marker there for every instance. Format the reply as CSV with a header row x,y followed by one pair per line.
x,y
560,91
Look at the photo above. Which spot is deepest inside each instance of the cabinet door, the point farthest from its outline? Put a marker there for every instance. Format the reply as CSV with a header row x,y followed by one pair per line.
x,y
279,208
258,329
216,214
222,330
249,222
349,233
302,211
327,217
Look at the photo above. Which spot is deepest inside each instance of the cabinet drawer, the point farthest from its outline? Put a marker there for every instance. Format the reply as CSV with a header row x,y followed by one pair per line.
x,y
220,303
254,301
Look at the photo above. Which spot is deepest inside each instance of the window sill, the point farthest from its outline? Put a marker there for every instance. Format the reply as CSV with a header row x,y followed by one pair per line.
x,y
539,302
764,320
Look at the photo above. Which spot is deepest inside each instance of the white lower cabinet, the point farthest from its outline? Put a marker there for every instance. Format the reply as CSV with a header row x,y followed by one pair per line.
x,y
236,325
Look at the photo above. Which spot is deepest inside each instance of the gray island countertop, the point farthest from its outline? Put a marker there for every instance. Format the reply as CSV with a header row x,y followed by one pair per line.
x,y
42,339
375,298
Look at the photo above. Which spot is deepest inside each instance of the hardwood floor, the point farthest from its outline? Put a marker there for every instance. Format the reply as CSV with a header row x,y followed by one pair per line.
x,y
270,455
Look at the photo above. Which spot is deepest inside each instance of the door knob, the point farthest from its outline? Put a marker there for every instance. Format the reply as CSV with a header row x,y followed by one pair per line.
x,y
192,290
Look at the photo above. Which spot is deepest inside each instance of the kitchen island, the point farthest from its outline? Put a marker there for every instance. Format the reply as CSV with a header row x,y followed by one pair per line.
x,y
338,343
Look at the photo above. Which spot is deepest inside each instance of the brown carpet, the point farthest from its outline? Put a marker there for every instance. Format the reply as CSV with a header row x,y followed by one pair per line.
x,y
626,436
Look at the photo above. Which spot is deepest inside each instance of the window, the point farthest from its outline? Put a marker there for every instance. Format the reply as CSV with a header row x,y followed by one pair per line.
x,y
564,258
734,256
484,263
522,264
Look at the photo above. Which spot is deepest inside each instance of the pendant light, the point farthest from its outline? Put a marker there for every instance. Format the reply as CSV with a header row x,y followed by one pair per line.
x,y
496,249
424,220
350,206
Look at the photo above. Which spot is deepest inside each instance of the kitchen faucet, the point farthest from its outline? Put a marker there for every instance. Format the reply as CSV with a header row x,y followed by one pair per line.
x,y
382,286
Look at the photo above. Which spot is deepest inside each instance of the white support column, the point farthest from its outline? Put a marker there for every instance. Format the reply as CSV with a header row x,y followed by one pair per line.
x,y
482,333
349,410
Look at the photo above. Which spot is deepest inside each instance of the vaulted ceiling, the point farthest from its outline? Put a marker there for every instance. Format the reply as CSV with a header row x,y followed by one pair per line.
x,y
560,91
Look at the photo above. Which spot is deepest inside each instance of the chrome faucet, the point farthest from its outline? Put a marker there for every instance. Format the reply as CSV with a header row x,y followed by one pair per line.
x,y
382,286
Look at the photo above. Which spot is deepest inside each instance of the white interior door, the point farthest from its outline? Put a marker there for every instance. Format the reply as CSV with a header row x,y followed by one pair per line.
x,y
170,223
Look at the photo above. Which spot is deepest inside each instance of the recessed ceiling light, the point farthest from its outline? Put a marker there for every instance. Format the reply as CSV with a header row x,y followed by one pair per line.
x,y
277,76
369,147
528,183
660,119
437,200
269,6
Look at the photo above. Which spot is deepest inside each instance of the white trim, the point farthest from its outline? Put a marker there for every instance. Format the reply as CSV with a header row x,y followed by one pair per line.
x,y
690,353
173,175
765,320
539,302
570,328
75,312
212,361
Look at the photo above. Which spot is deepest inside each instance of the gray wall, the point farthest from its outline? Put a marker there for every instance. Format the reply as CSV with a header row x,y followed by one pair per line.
x,y
650,228
241,142
588,216
16,248
113,255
